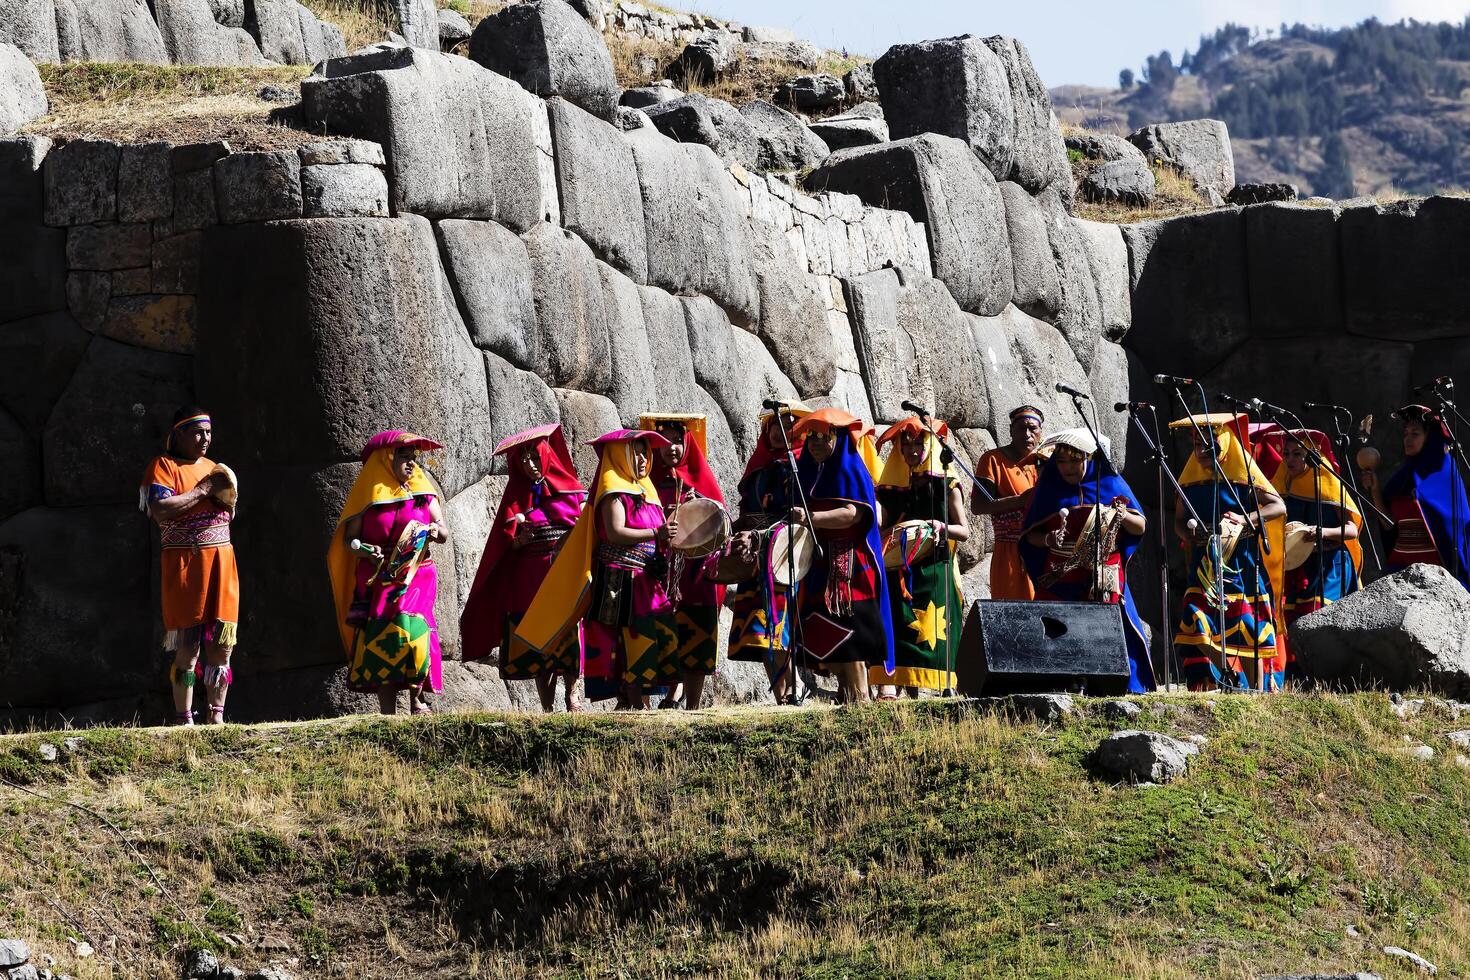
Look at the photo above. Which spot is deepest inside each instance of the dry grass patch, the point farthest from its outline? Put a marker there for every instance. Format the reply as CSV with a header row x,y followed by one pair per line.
x,y
366,22
1174,194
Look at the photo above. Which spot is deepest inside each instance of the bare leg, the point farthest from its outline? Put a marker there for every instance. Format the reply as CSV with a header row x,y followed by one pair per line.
x,y
217,680
546,687
854,677
388,700
186,656
693,689
778,671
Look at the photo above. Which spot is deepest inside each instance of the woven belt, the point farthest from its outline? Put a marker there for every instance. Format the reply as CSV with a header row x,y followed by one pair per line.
x,y
638,556
202,531
544,538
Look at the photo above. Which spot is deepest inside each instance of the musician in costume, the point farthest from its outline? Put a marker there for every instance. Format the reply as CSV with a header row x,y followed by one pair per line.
x,y
1064,536
611,571
921,503
761,629
191,499
1228,574
385,586
845,620
1008,474
1323,556
1425,498
542,501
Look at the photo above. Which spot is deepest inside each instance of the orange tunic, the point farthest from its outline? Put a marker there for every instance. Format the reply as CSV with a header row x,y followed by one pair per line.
x,y
1008,578
200,584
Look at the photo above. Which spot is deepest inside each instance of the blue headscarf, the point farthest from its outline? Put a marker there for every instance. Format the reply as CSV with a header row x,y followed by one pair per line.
x,y
1052,493
844,476
1432,478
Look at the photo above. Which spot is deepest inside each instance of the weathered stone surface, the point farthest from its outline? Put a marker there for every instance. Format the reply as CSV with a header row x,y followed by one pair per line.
x,y
194,202
87,295
22,190
491,273
108,30
22,96
793,319
101,247
1122,181
197,156
354,190
192,36
145,182
1002,376
13,952
81,182
460,141
32,270
1293,268
110,420
649,95
757,379
705,58
1107,380
802,54
1142,757
784,141
162,323
571,310
1037,288
584,417
710,339
351,324
49,346
550,50
668,345
696,118
342,152
1386,296
1244,194
1406,631
1043,358
852,129
939,182
812,91
132,282
21,488
30,25
518,400
230,13
633,379
597,182
1107,257
1079,317
454,30
1199,149
1038,156
859,84
418,22
258,187
697,231
1104,147
1190,294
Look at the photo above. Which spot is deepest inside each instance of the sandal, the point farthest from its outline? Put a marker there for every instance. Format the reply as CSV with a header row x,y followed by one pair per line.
x,y
184,719
421,708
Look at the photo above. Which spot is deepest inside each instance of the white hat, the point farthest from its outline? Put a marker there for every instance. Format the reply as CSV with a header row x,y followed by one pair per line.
x,y
1078,439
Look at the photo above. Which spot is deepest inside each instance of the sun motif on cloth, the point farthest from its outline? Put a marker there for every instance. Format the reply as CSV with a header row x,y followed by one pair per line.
x,y
931,625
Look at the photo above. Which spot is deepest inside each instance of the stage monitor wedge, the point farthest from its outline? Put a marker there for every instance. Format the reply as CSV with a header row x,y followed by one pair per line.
x,y
1042,648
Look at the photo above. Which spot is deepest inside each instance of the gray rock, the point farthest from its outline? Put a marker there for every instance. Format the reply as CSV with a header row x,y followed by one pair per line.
x,y
354,190
1419,300
175,266
1406,631
518,400
1038,156
591,11
81,182
859,84
22,190
1037,288
705,58
1107,258
291,34
1244,194
802,54
584,417
696,118
710,344
1107,381
546,47
1199,149
49,345
31,26
939,182
230,13
675,387
271,973
1420,962
852,129
597,182
627,119
108,30
200,963
1123,181
454,30
793,319
571,310
28,972
194,203
340,152
649,95
491,273
784,141
812,91
192,36
1042,357
22,96
773,35
418,22
1104,147
634,381
197,156
1142,757
108,246
1121,710
13,953
1042,707
1294,271
460,141
758,378
145,183
258,187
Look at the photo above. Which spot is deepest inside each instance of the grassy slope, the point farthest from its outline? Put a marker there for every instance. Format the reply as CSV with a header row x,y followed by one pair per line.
x,y
888,840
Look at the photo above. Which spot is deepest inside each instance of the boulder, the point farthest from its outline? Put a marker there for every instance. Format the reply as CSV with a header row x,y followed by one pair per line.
x,y
108,30
715,368
859,85
649,95
31,26
1294,270
812,91
353,190
1079,317
1142,757
81,182
757,378
1406,631
1245,194
1001,375
802,54
110,420
597,183
705,58
353,327
518,400
418,22
1199,149
793,319
1128,182
698,237
633,378
585,417
1038,156
855,128
942,185
784,142
1387,297
192,36
491,273
1107,380
696,118
454,30
50,346
571,311
1042,358
22,96
1104,147
674,385
460,141
258,187
230,13
550,50
1036,283
1107,258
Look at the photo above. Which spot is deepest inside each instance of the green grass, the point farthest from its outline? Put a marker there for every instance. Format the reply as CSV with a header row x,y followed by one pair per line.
x,y
887,840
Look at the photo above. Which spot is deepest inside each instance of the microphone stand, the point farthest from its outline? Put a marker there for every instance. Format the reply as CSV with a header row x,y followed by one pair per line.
x,y
1349,486
1096,494
1316,462
779,409
948,456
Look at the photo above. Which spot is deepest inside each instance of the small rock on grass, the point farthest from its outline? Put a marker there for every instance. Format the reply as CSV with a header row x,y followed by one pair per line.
x,y
1413,958
13,952
1121,710
1142,757
47,751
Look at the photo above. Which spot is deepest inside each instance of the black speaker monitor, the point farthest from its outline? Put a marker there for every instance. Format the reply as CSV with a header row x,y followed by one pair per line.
x,y
1041,648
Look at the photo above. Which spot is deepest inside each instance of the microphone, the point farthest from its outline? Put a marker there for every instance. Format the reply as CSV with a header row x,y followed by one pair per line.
x,y
1131,406
771,405
1443,381
1066,390
1267,407
1313,406
1237,402
1169,379
916,409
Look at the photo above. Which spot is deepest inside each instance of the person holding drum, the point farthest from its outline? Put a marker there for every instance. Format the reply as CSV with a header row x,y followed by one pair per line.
x,y
1323,556
923,516
691,494
192,499
1008,474
611,571
542,501
383,577
845,620
1065,531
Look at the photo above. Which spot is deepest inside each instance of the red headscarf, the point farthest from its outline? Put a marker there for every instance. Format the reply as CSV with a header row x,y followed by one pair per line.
x,y
482,623
693,470
764,455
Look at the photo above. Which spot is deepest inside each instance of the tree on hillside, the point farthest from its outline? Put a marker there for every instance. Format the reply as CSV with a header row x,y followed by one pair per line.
x,y
1125,79
1160,74
1335,179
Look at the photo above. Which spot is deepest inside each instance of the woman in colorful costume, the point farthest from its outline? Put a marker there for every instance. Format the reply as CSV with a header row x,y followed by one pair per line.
x,y
924,601
845,619
1242,652
383,576
1008,474
611,571
1328,518
200,585
1060,555
1425,498
681,472
761,629
541,504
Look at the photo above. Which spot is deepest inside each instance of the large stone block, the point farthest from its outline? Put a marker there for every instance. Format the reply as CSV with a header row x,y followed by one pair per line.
x,y
1402,268
258,187
584,417
518,401
758,378
491,272
192,36
110,421
49,346
163,323
460,141
107,247
939,182
1042,359
145,182
32,270
697,231
22,190
696,118
634,380
291,34
81,182
1079,317
550,50
354,190
31,26
850,129
1108,382
418,22
715,368
674,384
1198,148
793,319
1038,155
1107,257
351,327
21,488
22,96
1037,288
175,263
597,182
783,141
1294,270
571,310
108,30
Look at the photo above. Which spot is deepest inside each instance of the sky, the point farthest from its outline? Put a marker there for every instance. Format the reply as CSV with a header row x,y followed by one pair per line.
x,y
1071,41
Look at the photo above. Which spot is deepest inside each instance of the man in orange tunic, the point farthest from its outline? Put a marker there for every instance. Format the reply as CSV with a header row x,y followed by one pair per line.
x,y
1009,474
201,587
